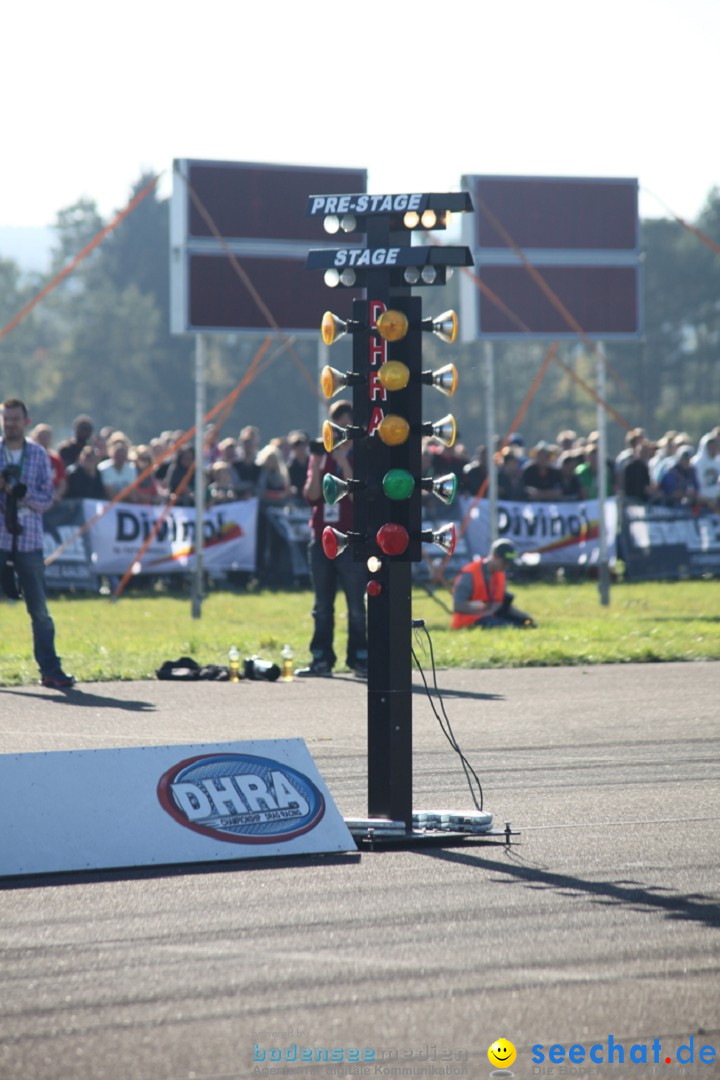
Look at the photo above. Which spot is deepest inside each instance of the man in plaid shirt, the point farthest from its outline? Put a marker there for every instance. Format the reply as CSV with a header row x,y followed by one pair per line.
x,y
26,492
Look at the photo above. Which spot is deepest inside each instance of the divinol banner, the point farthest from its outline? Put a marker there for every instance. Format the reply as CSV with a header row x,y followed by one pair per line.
x,y
555,534
116,537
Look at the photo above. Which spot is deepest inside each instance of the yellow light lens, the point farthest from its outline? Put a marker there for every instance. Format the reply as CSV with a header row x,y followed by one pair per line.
x,y
393,430
411,219
329,381
327,328
445,326
392,325
445,430
429,219
328,436
394,375
445,379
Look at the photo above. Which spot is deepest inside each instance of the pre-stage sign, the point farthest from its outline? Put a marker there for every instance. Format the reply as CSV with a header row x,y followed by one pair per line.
x,y
153,806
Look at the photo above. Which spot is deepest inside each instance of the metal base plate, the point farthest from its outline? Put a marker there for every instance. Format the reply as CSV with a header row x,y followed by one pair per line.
x,y
439,827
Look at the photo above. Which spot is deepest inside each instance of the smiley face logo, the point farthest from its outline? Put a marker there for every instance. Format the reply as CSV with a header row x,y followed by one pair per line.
x,y
502,1053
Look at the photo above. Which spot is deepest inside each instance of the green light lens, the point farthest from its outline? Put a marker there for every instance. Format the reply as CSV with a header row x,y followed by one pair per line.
x,y
398,484
333,489
445,488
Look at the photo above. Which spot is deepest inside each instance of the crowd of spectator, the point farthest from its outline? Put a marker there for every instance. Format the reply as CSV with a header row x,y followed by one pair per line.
x,y
669,471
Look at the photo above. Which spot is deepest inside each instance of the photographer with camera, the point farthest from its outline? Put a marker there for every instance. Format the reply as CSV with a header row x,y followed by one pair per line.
x,y
26,492
330,574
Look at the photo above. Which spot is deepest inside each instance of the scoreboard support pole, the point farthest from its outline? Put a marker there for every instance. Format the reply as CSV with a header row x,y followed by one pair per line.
x,y
197,582
604,568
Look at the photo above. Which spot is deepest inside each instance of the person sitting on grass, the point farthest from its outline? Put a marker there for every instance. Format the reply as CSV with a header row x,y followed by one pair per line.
x,y
480,595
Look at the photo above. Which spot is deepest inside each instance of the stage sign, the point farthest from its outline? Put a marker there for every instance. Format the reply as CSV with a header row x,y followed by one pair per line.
x,y
161,805
238,240
581,235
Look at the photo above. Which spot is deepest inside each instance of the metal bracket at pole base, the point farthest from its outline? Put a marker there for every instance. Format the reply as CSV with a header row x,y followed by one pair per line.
x,y
441,828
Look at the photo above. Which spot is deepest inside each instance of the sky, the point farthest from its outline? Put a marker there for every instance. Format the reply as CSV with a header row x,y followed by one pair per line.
x,y
95,93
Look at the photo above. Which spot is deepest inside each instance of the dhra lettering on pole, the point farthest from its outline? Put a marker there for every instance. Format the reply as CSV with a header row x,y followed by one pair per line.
x,y
377,356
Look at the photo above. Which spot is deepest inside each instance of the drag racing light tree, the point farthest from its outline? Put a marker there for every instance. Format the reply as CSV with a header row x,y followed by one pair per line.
x,y
387,381
398,484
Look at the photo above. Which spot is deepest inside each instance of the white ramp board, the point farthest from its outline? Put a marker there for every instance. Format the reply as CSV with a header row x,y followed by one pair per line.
x,y
159,805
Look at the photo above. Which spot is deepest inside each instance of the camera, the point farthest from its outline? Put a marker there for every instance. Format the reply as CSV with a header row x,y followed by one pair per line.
x,y
317,447
14,491
255,668
13,484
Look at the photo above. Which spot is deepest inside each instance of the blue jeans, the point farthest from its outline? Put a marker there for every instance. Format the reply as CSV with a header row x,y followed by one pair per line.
x,y
30,566
326,575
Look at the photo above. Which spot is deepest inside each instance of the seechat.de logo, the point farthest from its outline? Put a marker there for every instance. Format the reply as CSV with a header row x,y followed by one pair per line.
x,y
241,798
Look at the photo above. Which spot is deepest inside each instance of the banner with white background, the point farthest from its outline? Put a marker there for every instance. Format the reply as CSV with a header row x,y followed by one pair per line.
x,y
560,534
229,535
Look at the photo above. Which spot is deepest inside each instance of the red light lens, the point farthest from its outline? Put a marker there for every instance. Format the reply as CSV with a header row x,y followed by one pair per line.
x,y
330,543
392,539
374,588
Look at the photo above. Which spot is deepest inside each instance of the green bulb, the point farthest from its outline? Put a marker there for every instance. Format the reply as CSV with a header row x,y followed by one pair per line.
x,y
398,484
333,489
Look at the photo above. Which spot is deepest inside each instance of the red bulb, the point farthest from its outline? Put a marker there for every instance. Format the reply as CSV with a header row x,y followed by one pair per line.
x,y
330,543
392,539
374,588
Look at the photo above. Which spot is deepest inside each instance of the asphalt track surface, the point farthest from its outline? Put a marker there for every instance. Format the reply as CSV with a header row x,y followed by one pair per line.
x,y
603,921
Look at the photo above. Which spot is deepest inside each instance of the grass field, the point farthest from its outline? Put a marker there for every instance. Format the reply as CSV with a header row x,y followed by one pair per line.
x,y
102,640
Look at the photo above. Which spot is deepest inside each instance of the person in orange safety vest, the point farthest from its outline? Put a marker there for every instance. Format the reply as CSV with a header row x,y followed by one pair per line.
x,y
480,596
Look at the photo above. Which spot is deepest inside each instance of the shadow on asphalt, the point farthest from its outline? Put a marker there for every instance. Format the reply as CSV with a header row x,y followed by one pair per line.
x,y
445,692
144,873
632,894
76,696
